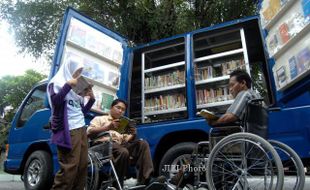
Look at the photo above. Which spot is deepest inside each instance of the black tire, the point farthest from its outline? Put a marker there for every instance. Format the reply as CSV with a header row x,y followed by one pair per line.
x,y
235,158
92,173
38,171
175,156
292,163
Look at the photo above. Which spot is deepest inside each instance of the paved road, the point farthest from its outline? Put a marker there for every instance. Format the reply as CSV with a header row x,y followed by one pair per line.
x,y
10,182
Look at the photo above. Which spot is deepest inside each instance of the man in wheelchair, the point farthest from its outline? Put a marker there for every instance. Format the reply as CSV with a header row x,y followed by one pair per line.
x,y
126,149
240,88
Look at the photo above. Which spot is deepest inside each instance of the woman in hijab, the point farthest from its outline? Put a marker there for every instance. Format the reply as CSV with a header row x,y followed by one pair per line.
x,y
68,126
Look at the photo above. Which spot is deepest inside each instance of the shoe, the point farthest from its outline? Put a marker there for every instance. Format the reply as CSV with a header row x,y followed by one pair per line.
x,y
177,179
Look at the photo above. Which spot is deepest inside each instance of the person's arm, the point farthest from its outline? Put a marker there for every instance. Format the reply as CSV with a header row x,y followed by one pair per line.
x,y
90,102
58,98
234,112
96,126
226,118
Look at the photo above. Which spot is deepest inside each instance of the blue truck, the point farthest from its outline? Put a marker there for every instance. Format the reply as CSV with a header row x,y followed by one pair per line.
x,y
166,83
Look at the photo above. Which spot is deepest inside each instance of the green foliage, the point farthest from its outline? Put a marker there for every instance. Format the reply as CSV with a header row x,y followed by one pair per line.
x,y
13,91
15,88
36,22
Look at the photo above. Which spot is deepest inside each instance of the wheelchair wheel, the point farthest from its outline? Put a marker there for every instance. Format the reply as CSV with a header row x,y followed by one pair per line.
x,y
92,173
293,166
244,161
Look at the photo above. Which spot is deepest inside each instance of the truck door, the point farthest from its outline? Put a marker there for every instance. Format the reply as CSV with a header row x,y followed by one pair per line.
x,y
103,53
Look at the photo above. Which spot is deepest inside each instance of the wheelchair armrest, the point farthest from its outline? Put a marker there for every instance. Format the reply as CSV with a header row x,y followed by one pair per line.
x,y
225,129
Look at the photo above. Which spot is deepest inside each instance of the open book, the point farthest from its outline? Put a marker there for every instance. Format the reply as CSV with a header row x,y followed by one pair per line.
x,y
81,85
207,114
123,123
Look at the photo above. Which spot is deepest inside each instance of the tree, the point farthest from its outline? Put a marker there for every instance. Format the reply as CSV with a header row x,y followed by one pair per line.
x,y
36,22
15,88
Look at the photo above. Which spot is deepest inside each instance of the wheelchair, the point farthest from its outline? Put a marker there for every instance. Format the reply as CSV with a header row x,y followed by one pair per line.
x,y
238,157
101,171
100,155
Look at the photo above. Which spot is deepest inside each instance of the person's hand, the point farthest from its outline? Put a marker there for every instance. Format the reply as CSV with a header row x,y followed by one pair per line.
x,y
132,130
88,92
212,122
116,137
114,124
73,82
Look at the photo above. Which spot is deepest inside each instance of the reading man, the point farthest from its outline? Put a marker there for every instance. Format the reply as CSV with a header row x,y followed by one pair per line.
x,y
240,88
125,147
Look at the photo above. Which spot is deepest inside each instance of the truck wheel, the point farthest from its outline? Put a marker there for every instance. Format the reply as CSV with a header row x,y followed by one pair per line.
x,y
175,158
38,172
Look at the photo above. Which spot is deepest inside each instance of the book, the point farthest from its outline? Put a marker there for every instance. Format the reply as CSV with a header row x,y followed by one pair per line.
x,y
106,100
293,67
281,77
123,124
82,85
207,114
283,30
303,58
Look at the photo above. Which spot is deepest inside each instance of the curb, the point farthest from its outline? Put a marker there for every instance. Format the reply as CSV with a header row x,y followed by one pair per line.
x,y
8,177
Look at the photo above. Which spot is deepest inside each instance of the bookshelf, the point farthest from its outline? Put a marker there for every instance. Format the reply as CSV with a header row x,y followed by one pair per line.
x,y
163,78
102,57
288,40
216,56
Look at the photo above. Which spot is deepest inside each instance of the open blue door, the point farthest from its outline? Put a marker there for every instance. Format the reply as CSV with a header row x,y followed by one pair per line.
x,y
103,52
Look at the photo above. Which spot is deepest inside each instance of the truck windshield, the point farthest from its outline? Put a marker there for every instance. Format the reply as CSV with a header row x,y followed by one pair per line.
x,y
34,103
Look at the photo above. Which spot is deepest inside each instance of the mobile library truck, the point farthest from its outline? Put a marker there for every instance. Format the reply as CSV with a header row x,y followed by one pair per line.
x,y
167,82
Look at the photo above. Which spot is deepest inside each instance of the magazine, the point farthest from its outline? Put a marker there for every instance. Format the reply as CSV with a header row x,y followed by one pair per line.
x,y
208,115
81,85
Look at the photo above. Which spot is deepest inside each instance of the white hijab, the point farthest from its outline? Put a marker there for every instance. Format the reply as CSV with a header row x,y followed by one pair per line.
x,y
64,74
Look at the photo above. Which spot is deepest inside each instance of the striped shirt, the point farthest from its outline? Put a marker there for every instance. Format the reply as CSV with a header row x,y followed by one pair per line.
x,y
237,108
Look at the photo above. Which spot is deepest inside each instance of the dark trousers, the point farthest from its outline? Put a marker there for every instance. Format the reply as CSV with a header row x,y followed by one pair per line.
x,y
136,152
73,163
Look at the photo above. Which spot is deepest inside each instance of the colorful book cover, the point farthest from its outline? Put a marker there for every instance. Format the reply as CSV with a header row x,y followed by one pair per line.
x,y
306,8
283,30
113,79
293,67
78,35
281,76
303,58
106,101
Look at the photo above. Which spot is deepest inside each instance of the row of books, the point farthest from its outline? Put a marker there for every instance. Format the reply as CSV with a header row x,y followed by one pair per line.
x,y
219,69
276,39
211,95
95,71
297,65
271,7
164,80
95,41
165,102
